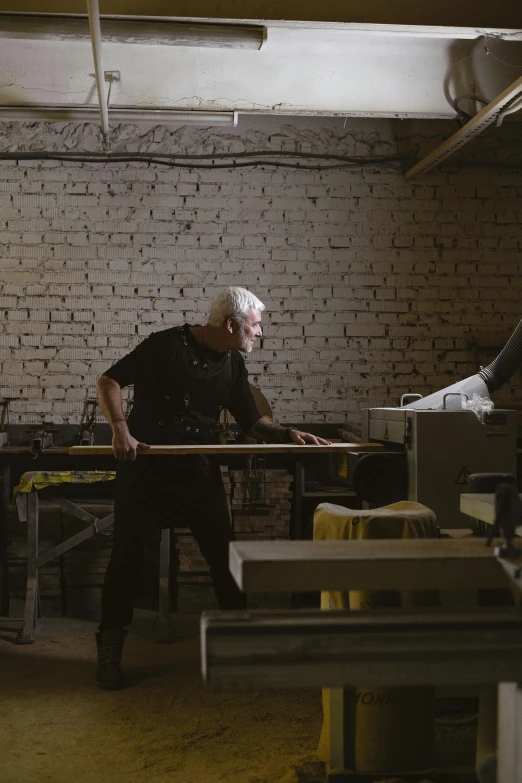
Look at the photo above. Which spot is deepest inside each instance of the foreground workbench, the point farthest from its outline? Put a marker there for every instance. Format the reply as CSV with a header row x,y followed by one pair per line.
x,y
396,647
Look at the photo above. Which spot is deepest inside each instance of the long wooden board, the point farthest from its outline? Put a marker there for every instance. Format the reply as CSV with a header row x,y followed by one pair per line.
x,y
27,450
254,448
375,647
390,564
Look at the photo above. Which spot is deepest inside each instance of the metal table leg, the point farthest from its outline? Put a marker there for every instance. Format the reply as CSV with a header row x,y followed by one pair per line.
x,y
164,633
31,613
4,506
296,531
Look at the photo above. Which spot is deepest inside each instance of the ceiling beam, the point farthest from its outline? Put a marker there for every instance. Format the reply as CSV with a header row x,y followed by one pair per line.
x,y
465,13
297,72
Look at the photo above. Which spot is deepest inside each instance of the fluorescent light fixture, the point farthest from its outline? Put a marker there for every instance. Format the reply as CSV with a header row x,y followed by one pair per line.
x,y
117,114
140,30
493,112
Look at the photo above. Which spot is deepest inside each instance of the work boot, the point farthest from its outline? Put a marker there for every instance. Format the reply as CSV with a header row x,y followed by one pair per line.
x,y
110,647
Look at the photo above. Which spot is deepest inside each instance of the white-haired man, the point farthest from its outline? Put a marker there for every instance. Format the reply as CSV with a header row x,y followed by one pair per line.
x,y
183,378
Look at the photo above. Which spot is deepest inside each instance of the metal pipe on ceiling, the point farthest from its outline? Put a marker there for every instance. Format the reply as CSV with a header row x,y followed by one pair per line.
x,y
119,114
94,24
160,32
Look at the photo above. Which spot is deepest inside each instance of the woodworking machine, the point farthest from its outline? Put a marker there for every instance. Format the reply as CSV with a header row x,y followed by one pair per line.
x,y
433,443
430,455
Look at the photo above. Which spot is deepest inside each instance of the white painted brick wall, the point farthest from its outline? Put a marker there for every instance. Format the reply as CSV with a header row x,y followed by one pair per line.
x,y
371,283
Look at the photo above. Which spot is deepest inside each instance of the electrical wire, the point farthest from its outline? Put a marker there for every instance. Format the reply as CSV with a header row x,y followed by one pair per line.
x,y
511,65
235,160
475,98
487,52
207,156
246,164
396,162
464,59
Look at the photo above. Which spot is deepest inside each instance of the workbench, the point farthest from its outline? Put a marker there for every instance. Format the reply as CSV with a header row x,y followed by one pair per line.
x,y
481,506
346,649
27,505
298,455
16,460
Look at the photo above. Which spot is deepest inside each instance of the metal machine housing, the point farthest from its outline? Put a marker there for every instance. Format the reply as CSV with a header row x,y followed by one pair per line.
x,y
442,448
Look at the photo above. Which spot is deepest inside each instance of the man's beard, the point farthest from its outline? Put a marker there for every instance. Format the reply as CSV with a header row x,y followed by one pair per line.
x,y
246,346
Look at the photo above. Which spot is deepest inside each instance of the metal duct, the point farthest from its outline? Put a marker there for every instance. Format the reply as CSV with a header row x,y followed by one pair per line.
x,y
505,365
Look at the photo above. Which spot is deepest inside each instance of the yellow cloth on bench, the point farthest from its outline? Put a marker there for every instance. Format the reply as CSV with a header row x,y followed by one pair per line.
x,y
374,747
39,479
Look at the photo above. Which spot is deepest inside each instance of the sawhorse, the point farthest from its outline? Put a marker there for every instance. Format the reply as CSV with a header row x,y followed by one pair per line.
x,y
28,506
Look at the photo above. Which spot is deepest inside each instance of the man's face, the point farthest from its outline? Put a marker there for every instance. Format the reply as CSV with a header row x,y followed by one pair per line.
x,y
250,330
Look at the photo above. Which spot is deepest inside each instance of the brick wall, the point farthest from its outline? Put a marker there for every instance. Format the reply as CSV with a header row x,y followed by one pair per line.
x,y
371,283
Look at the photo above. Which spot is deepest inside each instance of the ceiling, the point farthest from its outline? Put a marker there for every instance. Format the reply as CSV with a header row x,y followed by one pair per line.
x,y
334,67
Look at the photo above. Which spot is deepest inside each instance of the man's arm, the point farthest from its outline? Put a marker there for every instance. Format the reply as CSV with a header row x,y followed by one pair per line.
x,y
109,396
268,430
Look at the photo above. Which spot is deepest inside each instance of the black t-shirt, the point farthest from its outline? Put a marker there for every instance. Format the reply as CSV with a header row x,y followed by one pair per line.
x,y
176,378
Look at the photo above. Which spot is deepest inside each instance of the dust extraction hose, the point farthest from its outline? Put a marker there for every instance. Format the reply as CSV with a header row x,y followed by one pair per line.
x,y
503,367
486,381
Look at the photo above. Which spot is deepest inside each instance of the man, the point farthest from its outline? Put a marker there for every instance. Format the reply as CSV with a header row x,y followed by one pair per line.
x,y
183,378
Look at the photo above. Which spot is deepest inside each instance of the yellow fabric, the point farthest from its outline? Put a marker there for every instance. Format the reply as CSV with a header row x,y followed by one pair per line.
x,y
36,480
405,519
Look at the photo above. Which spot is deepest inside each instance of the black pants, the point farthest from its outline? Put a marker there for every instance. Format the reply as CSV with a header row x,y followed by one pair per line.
x,y
155,492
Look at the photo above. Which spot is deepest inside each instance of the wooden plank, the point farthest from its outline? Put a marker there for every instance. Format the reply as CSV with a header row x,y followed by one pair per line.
x,y
365,648
73,541
247,448
481,506
384,564
27,450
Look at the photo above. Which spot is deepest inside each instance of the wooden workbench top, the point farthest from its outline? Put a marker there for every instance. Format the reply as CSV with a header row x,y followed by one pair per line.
x,y
481,506
254,448
371,564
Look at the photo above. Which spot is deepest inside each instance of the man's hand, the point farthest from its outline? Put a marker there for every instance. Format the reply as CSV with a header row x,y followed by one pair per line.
x,y
124,446
306,437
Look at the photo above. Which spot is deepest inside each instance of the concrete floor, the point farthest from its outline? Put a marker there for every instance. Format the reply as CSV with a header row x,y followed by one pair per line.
x,y
57,726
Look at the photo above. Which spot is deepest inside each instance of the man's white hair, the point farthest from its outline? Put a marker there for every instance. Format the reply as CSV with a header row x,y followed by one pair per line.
x,y
233,302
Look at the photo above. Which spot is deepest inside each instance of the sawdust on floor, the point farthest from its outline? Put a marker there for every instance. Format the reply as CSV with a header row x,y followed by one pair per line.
x,y
58,727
